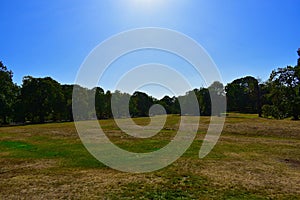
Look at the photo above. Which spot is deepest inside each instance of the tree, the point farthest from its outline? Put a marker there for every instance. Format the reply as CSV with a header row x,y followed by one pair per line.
x,y
284,83
67,91
204,101
8,92
80,103
216,93
218,98
243,95
42,99
283,96
120,102
140,104
18,108
168,103
100,102
189,104
107,113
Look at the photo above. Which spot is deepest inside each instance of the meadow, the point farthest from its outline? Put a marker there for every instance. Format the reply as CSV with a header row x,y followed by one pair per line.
x,y
255,158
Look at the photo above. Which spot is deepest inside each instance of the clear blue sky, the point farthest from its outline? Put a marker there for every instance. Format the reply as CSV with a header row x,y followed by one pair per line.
x,y
52,37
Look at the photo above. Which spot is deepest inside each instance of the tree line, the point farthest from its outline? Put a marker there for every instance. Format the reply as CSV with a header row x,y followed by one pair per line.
x,y
40,100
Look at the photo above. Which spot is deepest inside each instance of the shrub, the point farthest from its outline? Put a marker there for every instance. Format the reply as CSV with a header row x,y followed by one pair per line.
x,y
271,111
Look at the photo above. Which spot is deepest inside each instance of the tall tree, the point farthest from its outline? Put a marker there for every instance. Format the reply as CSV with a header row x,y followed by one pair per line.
x,y
100,102
80,101
120,102
189,104
218,98
42,98
8,92
168,103
140,104
283,97
67,91
204,101
285,91
107,113
243,95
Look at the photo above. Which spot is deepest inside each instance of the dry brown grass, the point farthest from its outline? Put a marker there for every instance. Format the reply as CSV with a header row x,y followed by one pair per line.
x,y
254,159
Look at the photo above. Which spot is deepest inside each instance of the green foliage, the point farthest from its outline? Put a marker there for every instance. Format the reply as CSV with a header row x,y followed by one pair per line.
x,y
218,98
243,95
204,101
140,104
171,105
8,92
284,94
120,104
271,111
42,99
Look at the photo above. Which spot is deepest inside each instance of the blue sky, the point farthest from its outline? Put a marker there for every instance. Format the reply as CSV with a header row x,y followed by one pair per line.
x,y
52,38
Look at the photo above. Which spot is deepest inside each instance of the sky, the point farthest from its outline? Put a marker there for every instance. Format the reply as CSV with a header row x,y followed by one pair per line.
x,y
53,37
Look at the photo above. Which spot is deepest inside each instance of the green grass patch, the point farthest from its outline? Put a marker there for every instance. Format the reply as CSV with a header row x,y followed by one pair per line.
x,y
16,145
71,154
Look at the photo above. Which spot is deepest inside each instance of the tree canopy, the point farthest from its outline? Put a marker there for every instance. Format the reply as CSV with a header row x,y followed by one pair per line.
x,y
40,100
8,92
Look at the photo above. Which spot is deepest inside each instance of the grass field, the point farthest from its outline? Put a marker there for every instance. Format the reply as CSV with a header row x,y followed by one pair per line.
x,y
254,159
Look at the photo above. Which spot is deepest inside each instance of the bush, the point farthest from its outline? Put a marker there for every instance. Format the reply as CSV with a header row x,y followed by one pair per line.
x,y
271,111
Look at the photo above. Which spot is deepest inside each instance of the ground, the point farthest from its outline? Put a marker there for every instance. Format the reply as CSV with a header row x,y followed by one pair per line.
x,y
255,158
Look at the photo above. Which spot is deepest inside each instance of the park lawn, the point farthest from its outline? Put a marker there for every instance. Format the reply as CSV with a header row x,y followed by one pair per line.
x,y
254,158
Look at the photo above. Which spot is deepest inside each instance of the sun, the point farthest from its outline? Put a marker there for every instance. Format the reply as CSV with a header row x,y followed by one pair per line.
x,y
146,5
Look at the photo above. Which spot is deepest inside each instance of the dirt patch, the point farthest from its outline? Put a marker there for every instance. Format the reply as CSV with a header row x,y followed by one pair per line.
x,y
253,175
70,184
12,166
291,162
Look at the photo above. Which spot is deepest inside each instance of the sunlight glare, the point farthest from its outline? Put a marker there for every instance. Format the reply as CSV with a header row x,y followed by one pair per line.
x,y
146,5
